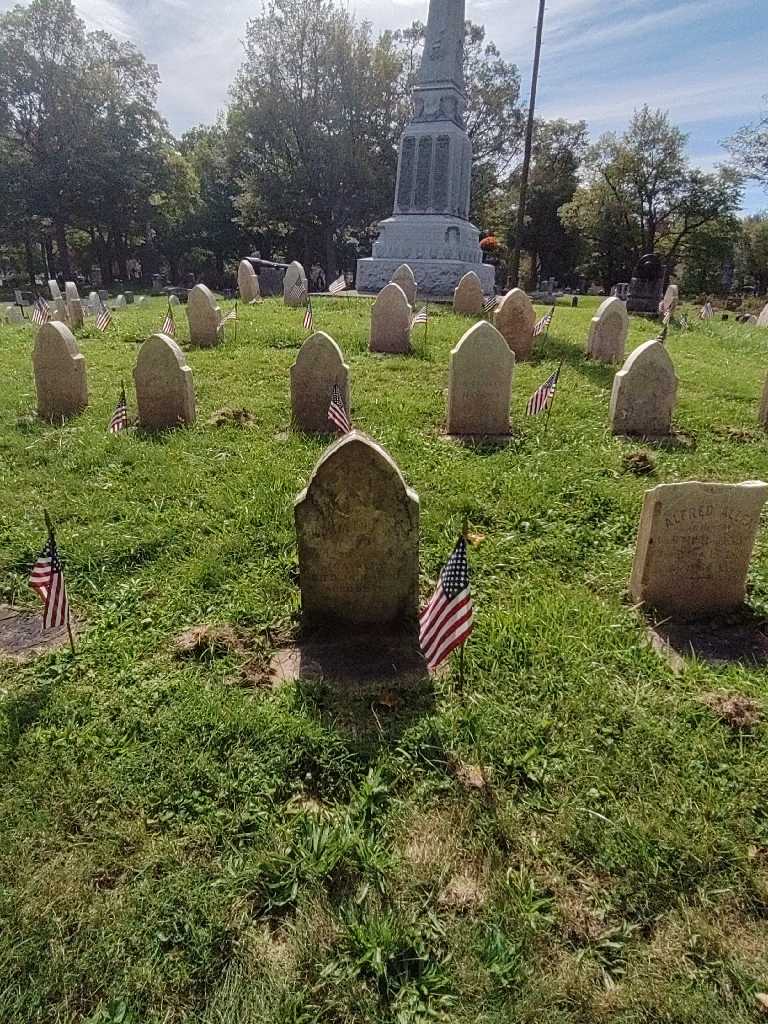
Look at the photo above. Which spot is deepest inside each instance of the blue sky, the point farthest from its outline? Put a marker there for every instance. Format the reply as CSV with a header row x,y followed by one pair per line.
x,y
706,61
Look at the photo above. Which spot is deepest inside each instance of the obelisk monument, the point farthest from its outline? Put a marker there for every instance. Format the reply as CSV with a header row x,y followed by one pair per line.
x,y
429,228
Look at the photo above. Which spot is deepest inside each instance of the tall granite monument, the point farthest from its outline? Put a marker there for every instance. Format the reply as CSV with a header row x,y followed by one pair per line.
x,y
429,228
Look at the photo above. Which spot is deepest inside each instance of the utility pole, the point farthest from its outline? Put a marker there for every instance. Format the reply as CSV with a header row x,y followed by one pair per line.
x,y
514,270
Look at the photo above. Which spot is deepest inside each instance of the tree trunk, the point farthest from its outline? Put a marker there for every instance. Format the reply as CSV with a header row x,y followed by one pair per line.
x,y
30,263
61,244
330,254
50,263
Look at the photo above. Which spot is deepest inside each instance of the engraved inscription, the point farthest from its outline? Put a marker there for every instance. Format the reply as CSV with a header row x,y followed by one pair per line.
x,y
423,172
442,158
405,184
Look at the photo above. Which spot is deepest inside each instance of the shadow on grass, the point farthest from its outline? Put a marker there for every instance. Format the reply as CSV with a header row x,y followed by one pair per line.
x,y
739,638
552,349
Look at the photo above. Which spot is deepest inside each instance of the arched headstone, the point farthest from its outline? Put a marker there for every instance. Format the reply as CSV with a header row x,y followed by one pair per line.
x,y
247,282
671,298
120,301
468,295
515,319
480,383
608,332
204,317
13,314
295,287
53,287
165,393
391,322
357,525
74,304
319,365
174,300
59,311
60,381
694,545
644,392
404,277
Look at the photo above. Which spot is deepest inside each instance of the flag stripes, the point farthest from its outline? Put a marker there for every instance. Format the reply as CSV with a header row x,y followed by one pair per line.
x,y
119,419
40,312
47,580
422,317
104,319
541,326
309,320
543,395
337,414
339,285
448,619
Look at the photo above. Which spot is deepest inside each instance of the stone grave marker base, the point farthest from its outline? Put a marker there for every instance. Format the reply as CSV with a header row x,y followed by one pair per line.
x,y
358,658
22,637
740,637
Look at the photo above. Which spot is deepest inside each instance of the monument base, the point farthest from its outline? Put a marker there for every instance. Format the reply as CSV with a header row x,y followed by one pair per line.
x,y
438,248
435,279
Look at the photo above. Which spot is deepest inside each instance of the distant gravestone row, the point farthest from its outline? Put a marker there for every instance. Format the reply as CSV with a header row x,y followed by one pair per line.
x,y
204,317
515,319
391,322
608,332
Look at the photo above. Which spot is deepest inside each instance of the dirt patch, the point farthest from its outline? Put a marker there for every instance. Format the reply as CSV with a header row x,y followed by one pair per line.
x,y
22,637
471,776
734,709
464,893
227,417
639,463
207,641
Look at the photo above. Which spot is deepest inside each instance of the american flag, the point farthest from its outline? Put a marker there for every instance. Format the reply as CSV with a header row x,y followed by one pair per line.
x,y
231,315
309,320
667,318
104,319
40,312
119,419
337,414
447,620
706,311
685,323
339,285
169,325
489,305
542,396
422,317
541,326
47,580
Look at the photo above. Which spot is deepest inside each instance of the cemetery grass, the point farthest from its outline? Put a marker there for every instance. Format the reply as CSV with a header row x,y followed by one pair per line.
x,y
182,841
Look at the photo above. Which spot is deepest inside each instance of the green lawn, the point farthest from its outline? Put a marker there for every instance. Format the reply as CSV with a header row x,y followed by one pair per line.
x,y
181,843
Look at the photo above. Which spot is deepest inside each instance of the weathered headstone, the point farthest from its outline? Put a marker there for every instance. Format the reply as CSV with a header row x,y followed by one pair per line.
x,y
204,317
480,383
647,285
357,525
74,304
644,392
174,300
762,320
404,277
247,282
120,301
608,332
94,302
165,393
13,315
694,545
62,389
671,298
319,365
763,414
468,297
515,319
140,300
53,287
391,321
60,311
295,285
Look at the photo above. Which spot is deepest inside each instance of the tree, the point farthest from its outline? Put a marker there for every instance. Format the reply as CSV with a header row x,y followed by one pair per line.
x,y
708,256
752,252
749,147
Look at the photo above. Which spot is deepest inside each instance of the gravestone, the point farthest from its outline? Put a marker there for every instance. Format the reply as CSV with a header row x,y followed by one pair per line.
x,y
671,298
120,301
608,332
247,282
763,414
141,299
165,393
515,319
694,545
647,285
204,317
404,277
468,298
94,302
295,285
319,365
357,525
74,305
391,321
60,382
174,300
53,288
103,294
480,383
14,315
644,392
762,320
129,298
60,311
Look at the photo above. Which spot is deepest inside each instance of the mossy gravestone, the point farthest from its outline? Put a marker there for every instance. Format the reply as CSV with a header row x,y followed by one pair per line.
x,y
468,298
480,383
204,317
391,322
694,545
404,277
60,381
247,282
515,319
295,287
165,393
319,365
357,525
644,393
608,332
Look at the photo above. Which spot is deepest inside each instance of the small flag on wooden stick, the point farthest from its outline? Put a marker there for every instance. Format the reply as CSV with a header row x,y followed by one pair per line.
x,y
119,419
47,580
104,319
422,317
339,285
542,397
309,320
707,312
542,326
40,312
337,413
490,304
169,325
447,620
